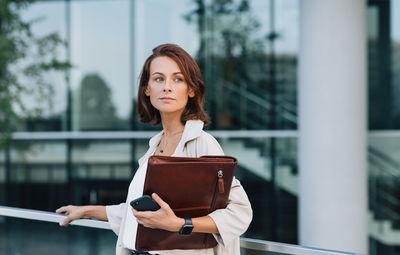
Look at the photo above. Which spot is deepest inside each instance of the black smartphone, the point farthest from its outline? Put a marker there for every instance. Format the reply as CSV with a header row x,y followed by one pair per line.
x,y
145,203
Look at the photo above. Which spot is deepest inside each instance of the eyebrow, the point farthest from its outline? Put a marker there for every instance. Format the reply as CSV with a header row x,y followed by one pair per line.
x,y
163,74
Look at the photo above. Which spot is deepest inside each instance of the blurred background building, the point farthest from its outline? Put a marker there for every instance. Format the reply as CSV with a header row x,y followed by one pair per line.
x,y
257,63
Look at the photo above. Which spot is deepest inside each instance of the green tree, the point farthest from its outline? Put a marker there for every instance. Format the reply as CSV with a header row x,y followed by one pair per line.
x,y
24,60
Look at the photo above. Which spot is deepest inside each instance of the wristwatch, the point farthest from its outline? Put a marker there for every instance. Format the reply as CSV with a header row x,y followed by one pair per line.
x,y
187,228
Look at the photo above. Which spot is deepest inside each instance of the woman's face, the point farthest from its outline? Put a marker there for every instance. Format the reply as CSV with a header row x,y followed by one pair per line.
x,y
167,88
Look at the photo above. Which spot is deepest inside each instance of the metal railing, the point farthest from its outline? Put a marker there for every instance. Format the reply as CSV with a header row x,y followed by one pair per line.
x,y
143,135
246,243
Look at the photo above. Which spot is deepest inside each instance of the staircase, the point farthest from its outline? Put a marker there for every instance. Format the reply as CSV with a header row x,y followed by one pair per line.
x,y
254,161
384,197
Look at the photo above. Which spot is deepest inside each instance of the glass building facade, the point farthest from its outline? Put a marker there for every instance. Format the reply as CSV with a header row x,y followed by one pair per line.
x,y
247,51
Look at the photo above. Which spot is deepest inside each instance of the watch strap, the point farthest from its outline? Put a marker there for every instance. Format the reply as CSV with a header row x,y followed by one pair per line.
x,y
187,227
188,221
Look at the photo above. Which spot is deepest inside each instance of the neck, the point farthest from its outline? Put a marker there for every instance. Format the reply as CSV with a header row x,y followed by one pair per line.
x,y
171,124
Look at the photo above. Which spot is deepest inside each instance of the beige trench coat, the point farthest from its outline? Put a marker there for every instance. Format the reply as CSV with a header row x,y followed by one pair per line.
x,y
231,222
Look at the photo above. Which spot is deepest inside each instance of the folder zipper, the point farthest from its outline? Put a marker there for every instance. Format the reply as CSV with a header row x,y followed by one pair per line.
x,y
219,188
220,181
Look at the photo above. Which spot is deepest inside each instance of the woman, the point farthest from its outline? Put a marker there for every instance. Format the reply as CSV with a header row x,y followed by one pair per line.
x,y
171,92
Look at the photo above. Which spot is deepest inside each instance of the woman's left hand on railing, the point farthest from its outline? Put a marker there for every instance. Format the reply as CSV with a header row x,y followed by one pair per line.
x,y
73,212
78,212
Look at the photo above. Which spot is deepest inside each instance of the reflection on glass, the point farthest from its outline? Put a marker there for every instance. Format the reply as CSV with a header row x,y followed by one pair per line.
x,y
383,18
384,179
37,174
2,167
286,26
49,17
97,111
395,72
267,170
2,173
38,162
101,160
249,68
20,236
100,51
3,192
101,171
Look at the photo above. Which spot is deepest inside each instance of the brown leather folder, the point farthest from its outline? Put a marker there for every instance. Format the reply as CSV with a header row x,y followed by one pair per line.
x,y
192,187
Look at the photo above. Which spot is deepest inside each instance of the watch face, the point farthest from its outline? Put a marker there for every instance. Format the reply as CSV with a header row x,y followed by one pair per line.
x,y
186,230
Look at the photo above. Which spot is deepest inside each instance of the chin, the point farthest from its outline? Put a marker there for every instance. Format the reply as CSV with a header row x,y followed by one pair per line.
x,y
169,109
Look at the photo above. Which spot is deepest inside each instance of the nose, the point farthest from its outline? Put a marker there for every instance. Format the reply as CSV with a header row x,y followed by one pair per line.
x,y
167,86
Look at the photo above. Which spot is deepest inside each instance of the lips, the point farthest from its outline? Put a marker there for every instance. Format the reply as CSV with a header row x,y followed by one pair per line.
x,y
167,98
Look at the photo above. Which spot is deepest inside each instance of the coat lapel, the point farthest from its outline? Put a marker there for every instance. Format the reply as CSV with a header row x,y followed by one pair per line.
x,y
193,129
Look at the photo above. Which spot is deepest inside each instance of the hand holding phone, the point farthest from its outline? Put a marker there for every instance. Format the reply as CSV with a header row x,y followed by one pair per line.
x,y
145,203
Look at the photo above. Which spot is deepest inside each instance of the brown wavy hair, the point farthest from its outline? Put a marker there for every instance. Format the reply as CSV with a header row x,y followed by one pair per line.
x,y
195,106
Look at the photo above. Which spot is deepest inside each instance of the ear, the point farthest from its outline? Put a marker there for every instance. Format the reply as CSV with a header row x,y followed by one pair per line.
x,y
147,91
191,93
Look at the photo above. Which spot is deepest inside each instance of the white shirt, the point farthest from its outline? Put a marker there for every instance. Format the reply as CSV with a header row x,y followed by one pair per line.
x,y
135,191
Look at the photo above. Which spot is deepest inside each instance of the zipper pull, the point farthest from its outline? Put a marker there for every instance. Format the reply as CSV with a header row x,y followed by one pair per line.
x,y
220,182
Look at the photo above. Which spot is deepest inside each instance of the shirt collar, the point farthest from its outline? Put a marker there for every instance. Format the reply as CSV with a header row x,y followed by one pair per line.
x,y
191,131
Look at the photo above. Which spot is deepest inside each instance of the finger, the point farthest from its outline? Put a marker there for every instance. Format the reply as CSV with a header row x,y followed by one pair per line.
x,y
159,201
144,223
144,214
65,222
64,209
141,223
136,213
61,209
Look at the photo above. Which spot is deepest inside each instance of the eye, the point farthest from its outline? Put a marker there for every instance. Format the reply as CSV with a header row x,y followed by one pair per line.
x,y
179,79
159,79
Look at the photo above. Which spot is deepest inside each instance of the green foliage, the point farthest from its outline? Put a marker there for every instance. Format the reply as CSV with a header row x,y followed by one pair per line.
x,y
24,60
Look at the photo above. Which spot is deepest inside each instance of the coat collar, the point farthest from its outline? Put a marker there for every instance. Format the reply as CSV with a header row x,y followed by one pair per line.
x,y
191,131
